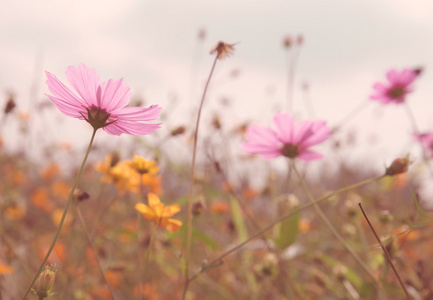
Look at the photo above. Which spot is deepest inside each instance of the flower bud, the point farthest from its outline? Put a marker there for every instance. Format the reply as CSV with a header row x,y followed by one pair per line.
x,y
398,166
198,206
10,105
44,284
385,216
178,130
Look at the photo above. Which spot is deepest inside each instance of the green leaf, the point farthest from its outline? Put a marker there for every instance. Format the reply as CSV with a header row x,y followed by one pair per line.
x,y
238,219
205,239
288,231
350,275
418,206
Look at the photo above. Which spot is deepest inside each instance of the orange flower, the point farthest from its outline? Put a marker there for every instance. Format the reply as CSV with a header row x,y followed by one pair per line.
x,y
40,199
4,269
160,214
219,207
50,172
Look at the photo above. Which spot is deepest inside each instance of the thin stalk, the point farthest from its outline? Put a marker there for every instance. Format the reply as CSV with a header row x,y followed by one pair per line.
x,y
95,253
139,238
351,115
65,211
149,247
291,77
189,221
328,223
386,253
218,261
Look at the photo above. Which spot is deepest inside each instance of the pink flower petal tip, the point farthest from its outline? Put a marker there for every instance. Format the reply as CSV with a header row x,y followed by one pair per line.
x,y
102,104
286,138
395,90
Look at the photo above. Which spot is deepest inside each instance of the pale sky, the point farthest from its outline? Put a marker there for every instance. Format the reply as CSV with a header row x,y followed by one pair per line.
x,y
153,45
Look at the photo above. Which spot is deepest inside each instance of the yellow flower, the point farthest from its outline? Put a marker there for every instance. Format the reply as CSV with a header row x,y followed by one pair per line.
x,y
142,166
118,173
160,214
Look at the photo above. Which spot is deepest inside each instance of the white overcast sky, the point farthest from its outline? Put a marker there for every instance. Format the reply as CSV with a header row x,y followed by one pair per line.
x,y
153,45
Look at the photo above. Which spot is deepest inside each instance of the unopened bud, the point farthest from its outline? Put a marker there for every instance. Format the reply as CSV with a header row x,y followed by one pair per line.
x,y
115,158
287,41
198,206
10,105
44,284
340,272
398,166
418,71
80,195
268,267
178,130
300,40
385,216
216,122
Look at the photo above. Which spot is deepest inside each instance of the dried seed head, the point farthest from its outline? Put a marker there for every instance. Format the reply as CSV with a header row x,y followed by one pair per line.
x,y
223,50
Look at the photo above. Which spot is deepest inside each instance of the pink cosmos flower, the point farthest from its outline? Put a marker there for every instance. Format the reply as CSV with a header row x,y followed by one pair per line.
x,y
395,90
102,104
426,140
286,138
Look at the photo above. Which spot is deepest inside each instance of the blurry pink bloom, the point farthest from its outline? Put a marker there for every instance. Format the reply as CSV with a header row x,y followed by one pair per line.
x,y
102,104
426,140
395,90
286,138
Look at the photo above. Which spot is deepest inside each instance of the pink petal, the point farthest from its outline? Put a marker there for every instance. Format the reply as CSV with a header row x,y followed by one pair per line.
x,y
261,135
284,127
114,95
392,76
303,130
407,76
137,113
67,109
309,155
85,81
265,151
61,92
134,128
321,133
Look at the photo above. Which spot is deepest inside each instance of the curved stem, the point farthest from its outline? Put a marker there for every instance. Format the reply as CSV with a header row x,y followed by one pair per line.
x,y
191,189
328,223
218,261
65,211
351,115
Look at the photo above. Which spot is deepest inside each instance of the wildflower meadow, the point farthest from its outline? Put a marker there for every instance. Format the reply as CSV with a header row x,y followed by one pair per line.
x,y
266,208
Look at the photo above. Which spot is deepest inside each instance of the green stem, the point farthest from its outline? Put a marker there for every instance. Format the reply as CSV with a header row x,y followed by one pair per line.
x,y
139,238
149,247
56,236
191,189
328,223
218,261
